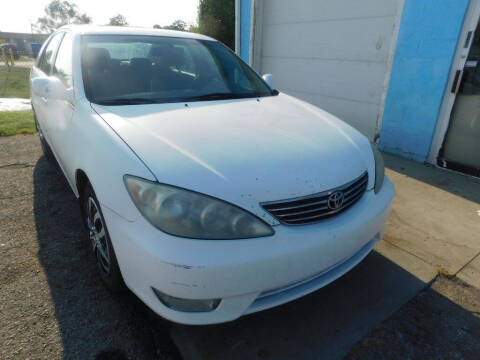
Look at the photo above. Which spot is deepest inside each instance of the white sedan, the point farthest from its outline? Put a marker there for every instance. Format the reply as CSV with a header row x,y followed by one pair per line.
x,y
204,190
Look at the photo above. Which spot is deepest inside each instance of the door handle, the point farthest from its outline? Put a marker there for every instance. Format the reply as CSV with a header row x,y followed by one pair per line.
x,y
456,81
46,92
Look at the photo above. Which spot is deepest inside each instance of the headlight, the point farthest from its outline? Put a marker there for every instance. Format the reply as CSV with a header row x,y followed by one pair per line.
x,y
379,168
189,214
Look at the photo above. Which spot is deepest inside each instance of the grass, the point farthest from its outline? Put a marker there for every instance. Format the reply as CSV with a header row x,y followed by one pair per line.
x,y
14,84
16,122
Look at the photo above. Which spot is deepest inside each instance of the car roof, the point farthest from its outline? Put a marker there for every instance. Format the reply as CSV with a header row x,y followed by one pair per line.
x,y
129,30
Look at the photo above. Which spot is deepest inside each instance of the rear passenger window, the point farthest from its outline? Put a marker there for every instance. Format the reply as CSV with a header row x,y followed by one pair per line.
x,y
63,62
46,61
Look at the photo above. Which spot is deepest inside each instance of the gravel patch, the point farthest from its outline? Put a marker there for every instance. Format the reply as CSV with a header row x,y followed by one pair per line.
x,y
52,305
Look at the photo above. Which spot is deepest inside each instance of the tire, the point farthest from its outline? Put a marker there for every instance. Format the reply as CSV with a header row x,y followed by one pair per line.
x,y
99,240
47,152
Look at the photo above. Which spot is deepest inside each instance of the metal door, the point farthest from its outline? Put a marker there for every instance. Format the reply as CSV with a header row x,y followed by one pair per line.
x,y
461,146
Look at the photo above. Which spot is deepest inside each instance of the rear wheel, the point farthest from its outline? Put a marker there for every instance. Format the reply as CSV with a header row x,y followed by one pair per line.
x,y
45,147
100,241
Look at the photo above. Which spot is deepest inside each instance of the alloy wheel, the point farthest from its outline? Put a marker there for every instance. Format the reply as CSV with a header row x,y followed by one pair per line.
x,y
98,236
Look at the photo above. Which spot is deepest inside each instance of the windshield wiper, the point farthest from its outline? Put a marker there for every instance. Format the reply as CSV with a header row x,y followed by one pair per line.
x,y
126,101
211,96
222,96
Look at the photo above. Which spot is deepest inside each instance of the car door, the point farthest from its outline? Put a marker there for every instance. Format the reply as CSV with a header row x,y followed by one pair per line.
x,y
43,68
61,111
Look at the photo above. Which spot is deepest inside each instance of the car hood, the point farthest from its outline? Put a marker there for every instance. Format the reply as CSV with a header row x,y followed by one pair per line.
x,y
244,151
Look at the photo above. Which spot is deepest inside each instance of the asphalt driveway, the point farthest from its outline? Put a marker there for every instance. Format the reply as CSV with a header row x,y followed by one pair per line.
x,y
53,306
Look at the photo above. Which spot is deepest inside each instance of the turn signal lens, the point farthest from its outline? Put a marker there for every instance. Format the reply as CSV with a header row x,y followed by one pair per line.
x,y
186,305
379,169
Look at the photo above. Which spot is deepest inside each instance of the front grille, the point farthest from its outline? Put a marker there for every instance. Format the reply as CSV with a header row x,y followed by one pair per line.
x,y
316,207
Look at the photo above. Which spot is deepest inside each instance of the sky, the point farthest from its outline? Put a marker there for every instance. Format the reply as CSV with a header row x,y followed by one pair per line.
x,y
18,14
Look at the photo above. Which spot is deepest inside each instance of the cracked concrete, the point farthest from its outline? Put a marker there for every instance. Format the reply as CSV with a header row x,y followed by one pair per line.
x,y
471,272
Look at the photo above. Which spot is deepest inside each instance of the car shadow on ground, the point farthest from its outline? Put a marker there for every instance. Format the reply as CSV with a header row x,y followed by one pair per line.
x,y
329,322
94,324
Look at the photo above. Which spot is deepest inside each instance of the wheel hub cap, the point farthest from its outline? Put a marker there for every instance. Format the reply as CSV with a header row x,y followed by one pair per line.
x,y
98,236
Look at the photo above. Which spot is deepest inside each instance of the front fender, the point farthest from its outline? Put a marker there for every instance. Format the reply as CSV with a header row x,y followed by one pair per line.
x,y
105,158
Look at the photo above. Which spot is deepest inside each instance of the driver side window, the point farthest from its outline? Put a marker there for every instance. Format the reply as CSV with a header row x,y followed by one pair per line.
x,y
46,61
63,63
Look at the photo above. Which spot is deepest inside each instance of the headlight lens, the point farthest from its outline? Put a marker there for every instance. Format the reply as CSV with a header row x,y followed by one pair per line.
x,y
189,214
379,168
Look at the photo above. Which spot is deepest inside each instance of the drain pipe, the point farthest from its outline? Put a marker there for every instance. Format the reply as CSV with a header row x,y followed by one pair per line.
x,y
237,27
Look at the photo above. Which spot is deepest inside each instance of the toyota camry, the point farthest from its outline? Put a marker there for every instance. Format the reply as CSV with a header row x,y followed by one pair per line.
x,y
204,190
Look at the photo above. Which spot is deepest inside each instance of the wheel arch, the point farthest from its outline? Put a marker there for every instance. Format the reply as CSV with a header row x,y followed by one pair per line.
x,y
81,180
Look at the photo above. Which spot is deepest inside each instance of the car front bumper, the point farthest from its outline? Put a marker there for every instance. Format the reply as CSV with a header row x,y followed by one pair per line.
x,y
247,275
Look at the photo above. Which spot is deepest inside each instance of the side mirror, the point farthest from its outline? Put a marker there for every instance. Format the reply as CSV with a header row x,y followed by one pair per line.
x,y
51,88
39,85
270,80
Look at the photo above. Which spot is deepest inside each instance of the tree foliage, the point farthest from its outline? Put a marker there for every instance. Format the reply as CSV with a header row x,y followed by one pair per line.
x,y
59,13
179,25
118,20
216,18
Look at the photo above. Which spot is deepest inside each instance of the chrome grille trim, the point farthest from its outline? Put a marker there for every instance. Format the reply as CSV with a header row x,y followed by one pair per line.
x,y
313,208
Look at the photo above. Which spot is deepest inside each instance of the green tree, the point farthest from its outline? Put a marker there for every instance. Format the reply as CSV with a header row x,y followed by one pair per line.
x,y
179,25
216,18
118,20
193,28
59,13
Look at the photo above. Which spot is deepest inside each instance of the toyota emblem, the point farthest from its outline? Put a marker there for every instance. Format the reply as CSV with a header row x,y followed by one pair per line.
x,y
335,200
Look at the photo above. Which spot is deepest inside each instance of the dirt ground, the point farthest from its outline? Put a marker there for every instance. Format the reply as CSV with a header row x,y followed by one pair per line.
x,y
52,305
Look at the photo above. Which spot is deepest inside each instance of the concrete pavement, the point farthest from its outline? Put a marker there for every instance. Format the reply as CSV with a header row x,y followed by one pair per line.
x,y
25,64
471,272
435,218
15,104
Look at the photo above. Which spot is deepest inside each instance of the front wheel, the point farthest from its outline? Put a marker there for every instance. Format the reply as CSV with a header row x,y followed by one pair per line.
x,y
100,242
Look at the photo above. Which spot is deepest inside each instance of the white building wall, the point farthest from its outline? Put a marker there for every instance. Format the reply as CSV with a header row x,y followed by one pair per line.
x,y
336,54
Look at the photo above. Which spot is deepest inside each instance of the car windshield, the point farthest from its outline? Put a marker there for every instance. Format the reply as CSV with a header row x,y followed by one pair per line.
x,y
131,69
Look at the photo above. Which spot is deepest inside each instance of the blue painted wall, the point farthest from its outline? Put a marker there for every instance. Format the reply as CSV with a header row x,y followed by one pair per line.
x,y
245,23
426,45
